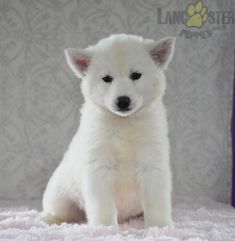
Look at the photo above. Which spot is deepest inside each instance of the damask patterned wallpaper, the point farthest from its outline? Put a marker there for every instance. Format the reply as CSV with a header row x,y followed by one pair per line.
x,y
40,98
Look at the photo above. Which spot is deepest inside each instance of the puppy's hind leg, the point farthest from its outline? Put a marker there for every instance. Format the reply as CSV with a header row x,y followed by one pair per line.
x,y
58,206
62,209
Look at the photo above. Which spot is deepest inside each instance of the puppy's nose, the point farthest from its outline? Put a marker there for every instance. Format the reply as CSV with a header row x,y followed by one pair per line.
x,y
123,103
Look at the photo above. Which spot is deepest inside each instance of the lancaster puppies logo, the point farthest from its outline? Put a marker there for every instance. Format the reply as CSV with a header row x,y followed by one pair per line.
x,y
199,21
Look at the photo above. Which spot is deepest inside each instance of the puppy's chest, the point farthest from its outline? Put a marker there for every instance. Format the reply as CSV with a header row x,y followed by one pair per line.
x,y
125,146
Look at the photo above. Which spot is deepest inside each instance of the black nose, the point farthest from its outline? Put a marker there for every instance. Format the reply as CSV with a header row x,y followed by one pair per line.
x,y
123,103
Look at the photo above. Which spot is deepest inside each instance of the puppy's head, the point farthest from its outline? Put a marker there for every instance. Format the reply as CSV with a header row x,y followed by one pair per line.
x,y
122,73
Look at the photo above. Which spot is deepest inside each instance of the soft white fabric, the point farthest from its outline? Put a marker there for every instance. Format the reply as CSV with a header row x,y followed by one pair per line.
x,y
195,220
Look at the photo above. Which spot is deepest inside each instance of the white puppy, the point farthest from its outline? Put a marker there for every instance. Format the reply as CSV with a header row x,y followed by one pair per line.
x,y
117,165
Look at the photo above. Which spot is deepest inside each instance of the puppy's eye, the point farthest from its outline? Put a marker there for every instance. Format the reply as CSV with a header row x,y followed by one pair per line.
x,y
107,78
135,75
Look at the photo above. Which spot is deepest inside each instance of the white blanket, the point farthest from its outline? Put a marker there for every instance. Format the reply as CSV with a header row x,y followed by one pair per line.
x,y
195,220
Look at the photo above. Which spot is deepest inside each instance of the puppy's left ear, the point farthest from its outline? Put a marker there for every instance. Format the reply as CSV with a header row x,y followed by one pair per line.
x,y
161,51
78,60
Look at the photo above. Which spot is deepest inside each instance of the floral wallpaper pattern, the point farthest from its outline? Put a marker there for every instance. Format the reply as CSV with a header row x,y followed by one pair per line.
x,y
40,98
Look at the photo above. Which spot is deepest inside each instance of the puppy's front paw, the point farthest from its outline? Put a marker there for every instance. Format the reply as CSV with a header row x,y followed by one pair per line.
x,y
155,221
103,220
48,218
166,223
160,224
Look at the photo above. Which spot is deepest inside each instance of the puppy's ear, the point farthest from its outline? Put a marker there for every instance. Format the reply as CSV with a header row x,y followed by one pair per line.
x,y
161,51
78,60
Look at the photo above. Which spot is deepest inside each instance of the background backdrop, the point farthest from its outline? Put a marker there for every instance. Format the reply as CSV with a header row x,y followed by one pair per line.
x,y
40,98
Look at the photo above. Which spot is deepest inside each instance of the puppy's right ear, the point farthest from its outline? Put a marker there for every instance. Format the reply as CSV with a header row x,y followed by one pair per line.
x,y
78,60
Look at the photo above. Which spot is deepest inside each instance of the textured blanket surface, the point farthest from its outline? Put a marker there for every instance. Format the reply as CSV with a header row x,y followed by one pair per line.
x,y
195,220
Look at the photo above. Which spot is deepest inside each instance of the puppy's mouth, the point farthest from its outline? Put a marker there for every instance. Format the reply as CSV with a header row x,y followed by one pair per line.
x,y
123,112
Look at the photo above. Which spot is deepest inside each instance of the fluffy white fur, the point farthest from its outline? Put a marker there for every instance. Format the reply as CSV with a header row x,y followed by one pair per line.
x,y
117,164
